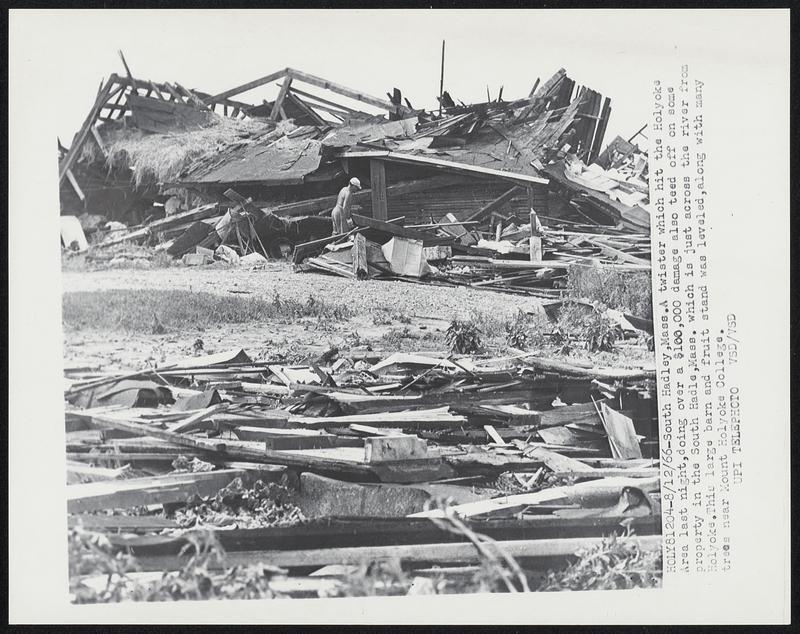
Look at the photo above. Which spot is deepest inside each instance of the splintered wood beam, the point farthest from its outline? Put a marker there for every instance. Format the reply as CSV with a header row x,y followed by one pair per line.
x,y
176,95
333,111
192,97
377,176
495,204
344,91
250,85
278,105
308,95
127,70
306,108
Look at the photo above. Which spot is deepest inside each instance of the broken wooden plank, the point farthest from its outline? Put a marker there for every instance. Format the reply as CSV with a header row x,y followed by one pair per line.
x,y
557,462
604,491
249,85
279,439
496,438
146,491
276,107
344,91
394,448
196,420
435,417
441,553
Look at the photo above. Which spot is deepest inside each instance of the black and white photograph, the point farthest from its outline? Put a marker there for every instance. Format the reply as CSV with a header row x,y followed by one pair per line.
x,y
360,304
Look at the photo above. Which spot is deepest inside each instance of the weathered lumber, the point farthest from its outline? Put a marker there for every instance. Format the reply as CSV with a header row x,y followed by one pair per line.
x,y
282,439
449,165
344,91
198,213
196,420
377,175
359,253
249,85
394,448
436,552
365,529
77,143
241,450
495,204
145,491
435,417
553,365
605,490
276,107
560,463
396,230
326,203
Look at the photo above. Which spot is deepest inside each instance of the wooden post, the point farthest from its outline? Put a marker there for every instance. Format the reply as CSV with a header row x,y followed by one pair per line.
x,y
441,82
277,107
536,238
377,176
360,266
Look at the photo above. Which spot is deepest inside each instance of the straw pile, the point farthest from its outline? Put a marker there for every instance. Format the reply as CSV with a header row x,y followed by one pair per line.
x,y
162,158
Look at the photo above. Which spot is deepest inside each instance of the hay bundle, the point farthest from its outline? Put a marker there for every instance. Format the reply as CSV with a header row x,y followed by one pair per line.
x,y
162,158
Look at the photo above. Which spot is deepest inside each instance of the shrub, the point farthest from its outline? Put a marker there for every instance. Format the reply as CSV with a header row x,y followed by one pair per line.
x,y
628,291
463,337
616,563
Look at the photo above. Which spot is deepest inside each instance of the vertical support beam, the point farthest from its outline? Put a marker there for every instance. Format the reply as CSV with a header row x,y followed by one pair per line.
x,y
536,238
441,82
75,186
277,107
377,177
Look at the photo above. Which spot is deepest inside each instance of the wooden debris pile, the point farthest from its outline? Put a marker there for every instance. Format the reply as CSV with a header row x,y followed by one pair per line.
x,y
304,467
510,192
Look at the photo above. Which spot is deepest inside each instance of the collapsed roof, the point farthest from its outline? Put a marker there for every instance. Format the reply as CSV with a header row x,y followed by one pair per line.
x,y
168,135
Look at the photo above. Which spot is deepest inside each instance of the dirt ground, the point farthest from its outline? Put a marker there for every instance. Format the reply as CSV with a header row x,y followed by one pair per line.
x,y
388,315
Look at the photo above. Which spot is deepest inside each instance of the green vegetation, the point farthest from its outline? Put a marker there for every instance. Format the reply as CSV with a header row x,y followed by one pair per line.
x,y
145,310
463,337
628,291
616,564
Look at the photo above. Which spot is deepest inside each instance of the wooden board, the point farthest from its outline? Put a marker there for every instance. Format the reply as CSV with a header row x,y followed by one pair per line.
x,y
394,448
377,174
438,552
602,492
621,434
95,496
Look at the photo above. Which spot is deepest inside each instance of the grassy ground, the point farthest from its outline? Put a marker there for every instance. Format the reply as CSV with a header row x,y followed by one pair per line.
x,y
141,311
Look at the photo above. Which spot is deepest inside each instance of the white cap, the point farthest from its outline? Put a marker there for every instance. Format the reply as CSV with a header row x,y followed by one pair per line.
x,y
355,182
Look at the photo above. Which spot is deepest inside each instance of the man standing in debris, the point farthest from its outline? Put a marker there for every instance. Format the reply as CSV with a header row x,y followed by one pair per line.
x,y
342,222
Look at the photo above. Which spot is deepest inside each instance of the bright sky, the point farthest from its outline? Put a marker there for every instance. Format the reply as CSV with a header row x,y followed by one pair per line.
x,y
612,51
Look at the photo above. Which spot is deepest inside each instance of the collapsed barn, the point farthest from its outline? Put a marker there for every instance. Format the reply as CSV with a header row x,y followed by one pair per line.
x,y
315,469
158,152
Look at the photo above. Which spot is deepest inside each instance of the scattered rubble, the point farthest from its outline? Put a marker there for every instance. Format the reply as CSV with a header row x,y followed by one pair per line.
x,y
446,463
